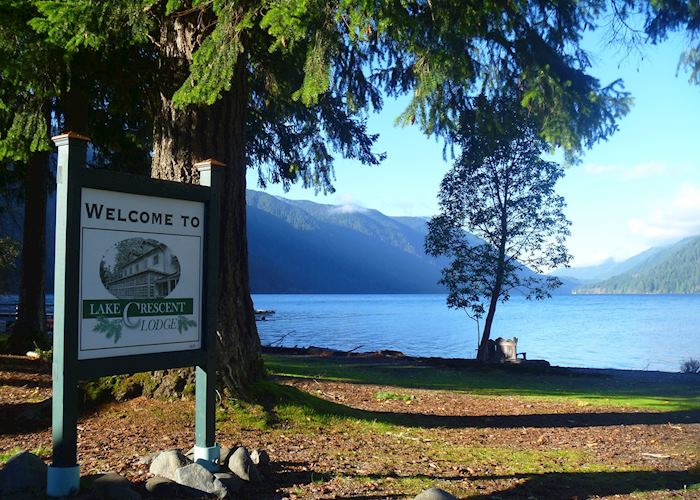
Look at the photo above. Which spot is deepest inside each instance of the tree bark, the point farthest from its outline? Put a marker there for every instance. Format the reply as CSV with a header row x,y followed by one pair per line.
x,y
183,137
31,312
483,353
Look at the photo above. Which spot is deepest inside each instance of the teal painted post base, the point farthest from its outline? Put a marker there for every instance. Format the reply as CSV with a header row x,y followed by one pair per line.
x,y
208,457
62,481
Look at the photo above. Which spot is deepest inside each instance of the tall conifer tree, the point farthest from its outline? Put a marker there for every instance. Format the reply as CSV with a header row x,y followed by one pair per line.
x,y
27,90
281,85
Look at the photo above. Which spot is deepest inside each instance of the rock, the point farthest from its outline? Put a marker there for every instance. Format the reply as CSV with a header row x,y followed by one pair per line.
x,y
435,494
161,486
225,453
197,477
110,479
118,493
109,486
260,457
23,475
228,484
147,459
165,488
167,463
242,466
190,454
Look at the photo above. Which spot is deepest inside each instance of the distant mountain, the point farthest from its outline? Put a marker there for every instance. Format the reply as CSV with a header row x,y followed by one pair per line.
x,y
608,268
670,269
307,247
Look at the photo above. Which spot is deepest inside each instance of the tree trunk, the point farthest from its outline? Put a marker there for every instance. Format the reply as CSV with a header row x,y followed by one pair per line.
x,y
483,353
31,317
182,138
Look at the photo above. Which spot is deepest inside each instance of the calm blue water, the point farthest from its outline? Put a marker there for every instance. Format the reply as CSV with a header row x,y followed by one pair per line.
x,y
642,332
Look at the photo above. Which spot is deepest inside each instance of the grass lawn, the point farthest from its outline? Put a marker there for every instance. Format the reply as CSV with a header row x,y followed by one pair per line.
x,y
663,393
375,429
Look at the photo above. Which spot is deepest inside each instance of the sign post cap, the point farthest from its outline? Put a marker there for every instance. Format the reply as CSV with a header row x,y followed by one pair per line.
x,y
209,163
70,135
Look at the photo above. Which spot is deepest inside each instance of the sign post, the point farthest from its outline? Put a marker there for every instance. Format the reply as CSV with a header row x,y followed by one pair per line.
x,y
206,451
135,290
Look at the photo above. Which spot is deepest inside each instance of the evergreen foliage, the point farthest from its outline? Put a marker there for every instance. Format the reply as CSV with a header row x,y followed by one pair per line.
x,y
27,85
9,250
663,17
285,85
315,67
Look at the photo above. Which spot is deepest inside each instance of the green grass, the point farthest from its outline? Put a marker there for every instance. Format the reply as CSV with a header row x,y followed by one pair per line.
x,y
524,461
406,437
594,390
42,452
393,396
283,406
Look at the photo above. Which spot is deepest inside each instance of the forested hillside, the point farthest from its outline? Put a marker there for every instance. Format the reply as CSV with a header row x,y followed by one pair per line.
x,y
674,269
306,247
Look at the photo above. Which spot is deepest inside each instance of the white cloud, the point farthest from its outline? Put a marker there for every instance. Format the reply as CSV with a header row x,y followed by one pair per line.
x,y
348,209
645,170
597,169
680,218
347,205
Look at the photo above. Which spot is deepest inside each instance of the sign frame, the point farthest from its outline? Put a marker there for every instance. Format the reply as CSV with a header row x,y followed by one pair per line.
x,y
67,370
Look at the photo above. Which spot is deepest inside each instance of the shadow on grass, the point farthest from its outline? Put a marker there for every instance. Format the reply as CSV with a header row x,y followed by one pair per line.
x,y
544,420
20,418
282,474
10,363
588,484
547,485
276,396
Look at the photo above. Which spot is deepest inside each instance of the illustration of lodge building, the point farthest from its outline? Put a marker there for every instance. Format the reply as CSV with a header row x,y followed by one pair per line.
x,y
152,274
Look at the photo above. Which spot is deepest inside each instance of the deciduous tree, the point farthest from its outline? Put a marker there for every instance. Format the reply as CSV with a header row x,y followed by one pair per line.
x,y
502,191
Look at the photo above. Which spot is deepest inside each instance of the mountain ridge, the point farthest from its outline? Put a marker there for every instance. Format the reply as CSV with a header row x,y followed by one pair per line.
x,y
671,269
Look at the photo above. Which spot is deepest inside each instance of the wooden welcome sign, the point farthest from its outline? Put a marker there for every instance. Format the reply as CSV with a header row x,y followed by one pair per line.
x,y
135,290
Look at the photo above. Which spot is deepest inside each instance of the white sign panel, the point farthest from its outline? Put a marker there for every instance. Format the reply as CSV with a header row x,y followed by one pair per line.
x,y
141,274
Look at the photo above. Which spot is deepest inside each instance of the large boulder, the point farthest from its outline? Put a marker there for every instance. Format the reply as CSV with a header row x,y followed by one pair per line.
x,y
23,476
167,463
242,466
160,487
195,476
225,453
229,483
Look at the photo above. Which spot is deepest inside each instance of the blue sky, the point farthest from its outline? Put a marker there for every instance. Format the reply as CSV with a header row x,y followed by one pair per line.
x,y
639,189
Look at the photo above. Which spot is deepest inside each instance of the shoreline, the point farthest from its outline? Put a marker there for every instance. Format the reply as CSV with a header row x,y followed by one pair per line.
x,y
531,366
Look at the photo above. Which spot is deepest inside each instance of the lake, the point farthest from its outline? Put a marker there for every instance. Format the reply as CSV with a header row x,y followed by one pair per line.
x,y
642,332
